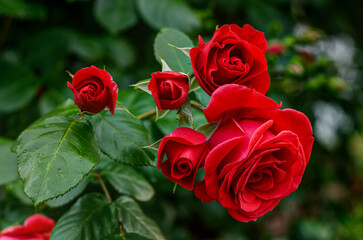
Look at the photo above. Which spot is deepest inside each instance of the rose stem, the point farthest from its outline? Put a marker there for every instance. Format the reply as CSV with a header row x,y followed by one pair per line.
x,y
108,196
104,188
147,114
197,105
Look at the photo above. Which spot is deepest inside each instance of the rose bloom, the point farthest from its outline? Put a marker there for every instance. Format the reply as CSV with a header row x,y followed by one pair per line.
x,y
233,55
258,153
36,227
169,89
185,150
93,90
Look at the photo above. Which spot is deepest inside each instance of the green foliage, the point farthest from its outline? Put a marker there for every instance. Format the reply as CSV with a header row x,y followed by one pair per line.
x,y
175,14
91,217
121,137
133,219
128,181
19,82
176,60
71,195
65,150
115,15
8,170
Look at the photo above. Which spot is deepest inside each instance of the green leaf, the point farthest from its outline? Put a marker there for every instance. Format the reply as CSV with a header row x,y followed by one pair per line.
x,y
127,236
193,85
86,47
121,51
143,85
54,154
160,114
183,50
92,217
8,169
186,109
202,97
207,129
121,137
176,60
164,66
115,15
137,102
169,13
154,146
16,189
69,196
133,219
128,181
17,88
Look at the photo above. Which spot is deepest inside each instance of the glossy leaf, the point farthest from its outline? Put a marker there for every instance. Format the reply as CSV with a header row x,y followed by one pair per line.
x,y
169,13
202,97
121,137
128,181
8,169
69,196
136,101
92,217
115,15
176,59
207,129
54,154
143,85
133,220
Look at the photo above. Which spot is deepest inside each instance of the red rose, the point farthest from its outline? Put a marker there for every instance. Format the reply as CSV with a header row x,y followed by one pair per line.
x,y
93,90
169,89
185,150
258,153
233,55
36,227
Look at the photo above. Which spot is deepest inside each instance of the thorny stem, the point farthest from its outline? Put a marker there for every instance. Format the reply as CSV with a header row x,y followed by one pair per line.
x,y
146,114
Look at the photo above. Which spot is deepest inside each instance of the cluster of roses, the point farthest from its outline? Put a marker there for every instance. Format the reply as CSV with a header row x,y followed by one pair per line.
x,y
258,153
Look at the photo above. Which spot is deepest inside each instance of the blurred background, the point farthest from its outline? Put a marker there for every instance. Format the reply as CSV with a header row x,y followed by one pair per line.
x,y
315,63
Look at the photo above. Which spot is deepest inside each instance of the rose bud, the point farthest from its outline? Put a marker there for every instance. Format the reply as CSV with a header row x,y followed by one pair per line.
x,y
36,227
93,90
169,89
185,150
258,153
233,55
276,48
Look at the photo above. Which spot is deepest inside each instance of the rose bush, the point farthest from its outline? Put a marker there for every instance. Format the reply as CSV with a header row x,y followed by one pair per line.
x,y
258,153
233,55
93,90
36,227
185,150
169,89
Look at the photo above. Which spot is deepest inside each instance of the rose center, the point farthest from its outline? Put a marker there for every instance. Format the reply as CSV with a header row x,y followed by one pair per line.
x,y
165,91
88,92
184,166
